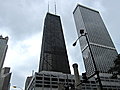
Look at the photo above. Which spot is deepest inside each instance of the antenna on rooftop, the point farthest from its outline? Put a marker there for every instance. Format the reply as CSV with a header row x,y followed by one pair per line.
x,y
55,6
48,6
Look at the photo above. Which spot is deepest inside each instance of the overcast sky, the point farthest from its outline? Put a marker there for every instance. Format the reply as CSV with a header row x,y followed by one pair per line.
x,y
22,21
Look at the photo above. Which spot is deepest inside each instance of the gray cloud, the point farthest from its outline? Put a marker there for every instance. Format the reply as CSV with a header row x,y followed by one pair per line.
x,y
22,18
23,21
112,19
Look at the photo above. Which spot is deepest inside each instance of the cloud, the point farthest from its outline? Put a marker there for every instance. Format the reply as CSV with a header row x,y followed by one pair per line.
x,y
23,50
22,21
111,19
23,57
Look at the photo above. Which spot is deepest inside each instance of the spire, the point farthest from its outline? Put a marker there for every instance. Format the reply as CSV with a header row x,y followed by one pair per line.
x,y
55,6
48,6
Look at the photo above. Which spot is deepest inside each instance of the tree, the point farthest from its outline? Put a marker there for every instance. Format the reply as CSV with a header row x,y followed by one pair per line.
x,y
116,68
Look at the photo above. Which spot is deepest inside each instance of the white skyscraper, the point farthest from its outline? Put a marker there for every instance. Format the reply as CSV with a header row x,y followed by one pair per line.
x,y
100,41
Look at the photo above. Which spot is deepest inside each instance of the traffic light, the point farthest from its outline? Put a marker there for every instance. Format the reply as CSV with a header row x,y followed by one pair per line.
x,y
84,77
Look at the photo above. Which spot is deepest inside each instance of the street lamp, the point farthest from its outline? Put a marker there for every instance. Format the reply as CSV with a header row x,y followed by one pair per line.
x,y
96,71
17,87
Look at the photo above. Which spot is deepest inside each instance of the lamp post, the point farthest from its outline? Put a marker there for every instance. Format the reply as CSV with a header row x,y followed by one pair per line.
x,y
17,87
96,71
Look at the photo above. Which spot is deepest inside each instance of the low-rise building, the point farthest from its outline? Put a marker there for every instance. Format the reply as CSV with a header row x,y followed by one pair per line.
x,y
47,80
5,78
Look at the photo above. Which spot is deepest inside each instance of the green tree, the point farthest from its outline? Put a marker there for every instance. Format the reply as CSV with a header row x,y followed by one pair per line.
x,y
116,68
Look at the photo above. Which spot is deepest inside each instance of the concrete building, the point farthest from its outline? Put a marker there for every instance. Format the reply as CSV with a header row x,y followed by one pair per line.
x,y
103,49
5,78
28,81
3,50
47,80
53,51
4,72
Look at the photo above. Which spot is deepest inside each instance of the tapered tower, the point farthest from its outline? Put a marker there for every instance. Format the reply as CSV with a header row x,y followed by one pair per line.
x,y
53,51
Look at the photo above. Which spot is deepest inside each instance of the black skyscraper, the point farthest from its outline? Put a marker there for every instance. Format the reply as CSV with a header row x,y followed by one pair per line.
x,y
53,51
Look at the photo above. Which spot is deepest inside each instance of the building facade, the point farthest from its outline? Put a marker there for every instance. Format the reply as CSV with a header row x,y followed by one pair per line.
x,y
53,51
3,50
5,78
47,80
54,71
28,80
103,49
